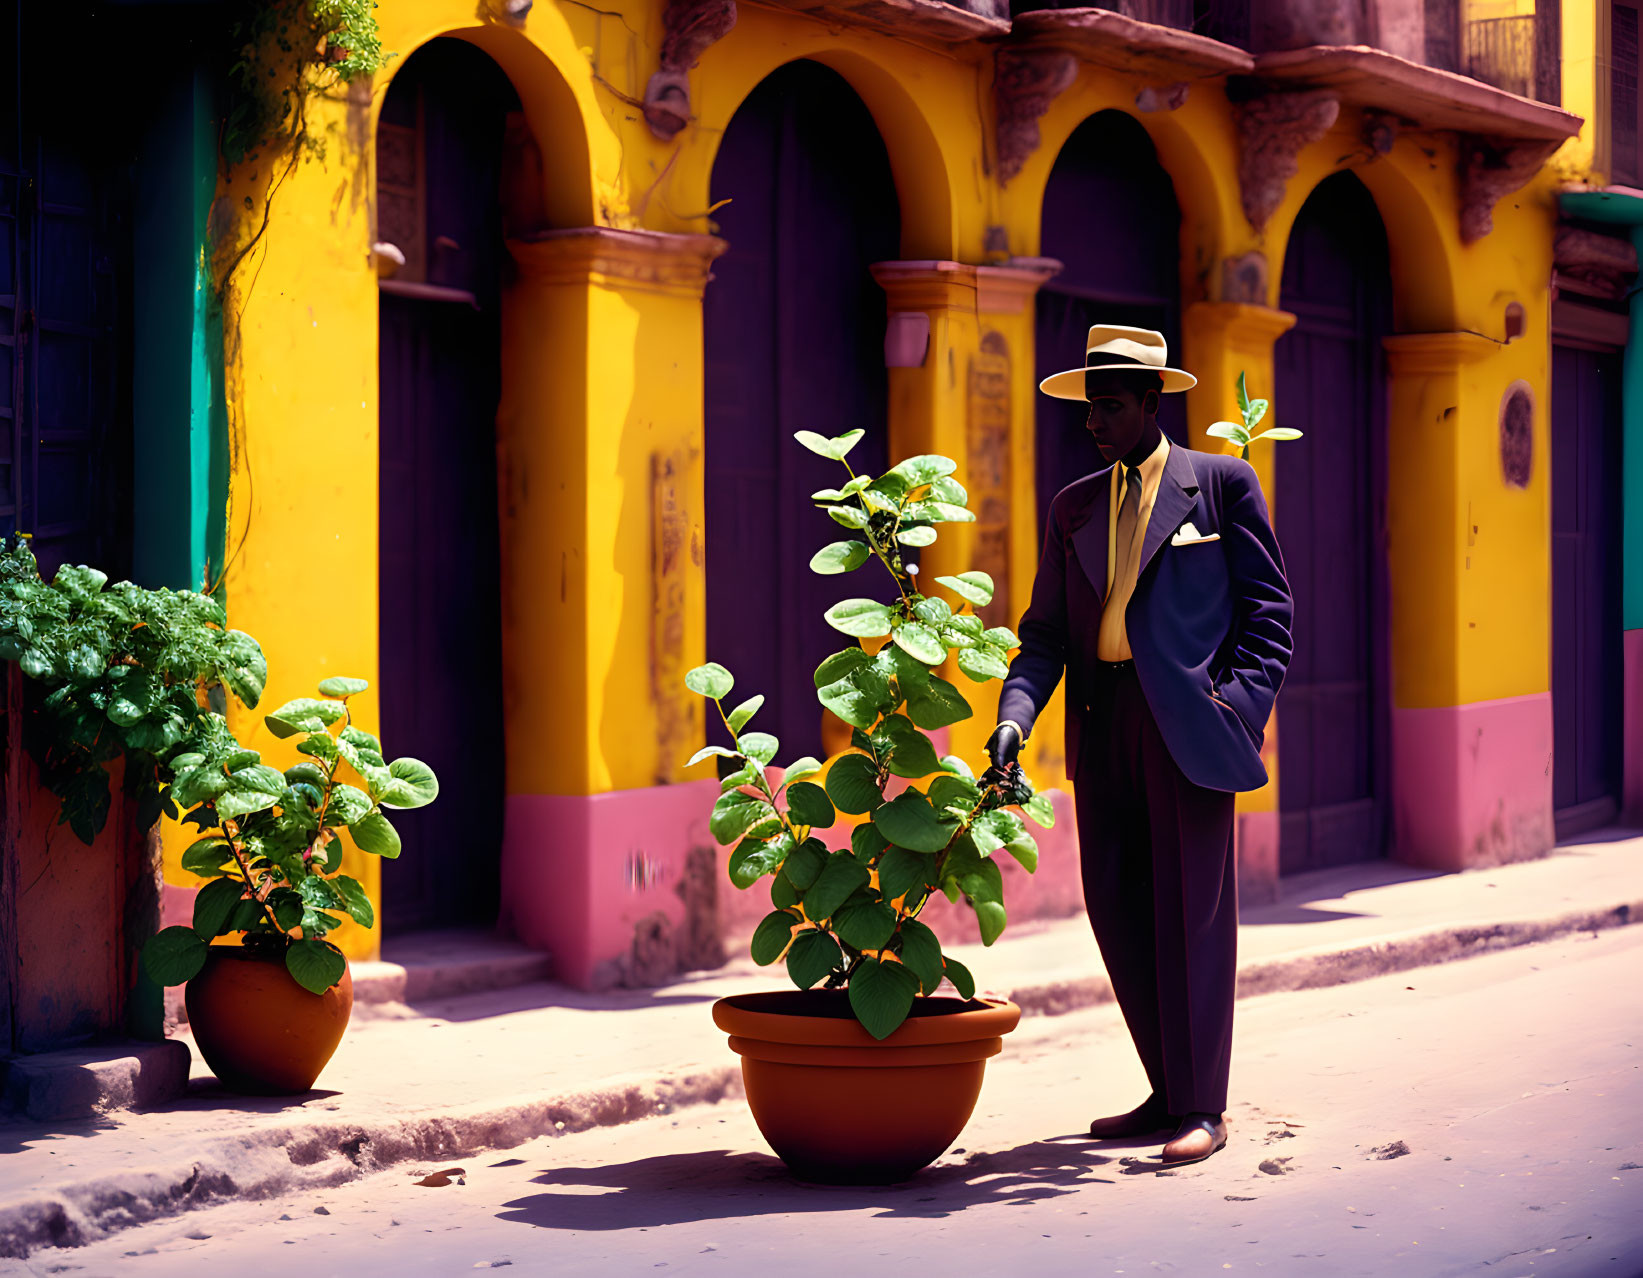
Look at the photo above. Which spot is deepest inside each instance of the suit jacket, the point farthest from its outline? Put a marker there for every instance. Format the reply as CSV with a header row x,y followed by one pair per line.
x,y
1209,624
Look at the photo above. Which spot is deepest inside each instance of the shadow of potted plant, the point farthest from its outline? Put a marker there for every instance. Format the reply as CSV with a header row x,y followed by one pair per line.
x,y
865,1074
269,1012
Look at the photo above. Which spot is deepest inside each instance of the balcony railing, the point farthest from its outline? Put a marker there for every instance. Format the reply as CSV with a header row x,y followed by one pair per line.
x,y
1519,54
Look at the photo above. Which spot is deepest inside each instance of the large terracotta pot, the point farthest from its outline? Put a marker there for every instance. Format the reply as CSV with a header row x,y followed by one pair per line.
x,y
841,1107
257,1028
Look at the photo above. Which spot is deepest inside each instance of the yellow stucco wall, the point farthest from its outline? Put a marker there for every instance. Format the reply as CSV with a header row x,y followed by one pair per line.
x,y
581,432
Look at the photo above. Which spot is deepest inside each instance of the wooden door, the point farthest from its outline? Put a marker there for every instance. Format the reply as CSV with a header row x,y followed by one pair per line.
x,y
1111,219
794,335
439,156
1586,587
1329,510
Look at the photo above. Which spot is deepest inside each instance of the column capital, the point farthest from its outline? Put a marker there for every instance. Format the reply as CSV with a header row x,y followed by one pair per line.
x,y
651,261
1436,352
1009,287
927,285
1243,322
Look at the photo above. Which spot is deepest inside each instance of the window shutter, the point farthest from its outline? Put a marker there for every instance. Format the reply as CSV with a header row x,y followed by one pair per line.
x,y
1623,94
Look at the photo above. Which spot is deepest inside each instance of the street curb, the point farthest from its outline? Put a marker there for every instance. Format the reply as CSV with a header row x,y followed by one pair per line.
x,y
319,1155
1326,966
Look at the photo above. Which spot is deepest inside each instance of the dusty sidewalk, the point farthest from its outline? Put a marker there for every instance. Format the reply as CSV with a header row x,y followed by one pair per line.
x,y
493,1070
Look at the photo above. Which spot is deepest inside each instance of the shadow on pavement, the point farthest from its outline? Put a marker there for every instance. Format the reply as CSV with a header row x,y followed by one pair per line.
x,y
674,1189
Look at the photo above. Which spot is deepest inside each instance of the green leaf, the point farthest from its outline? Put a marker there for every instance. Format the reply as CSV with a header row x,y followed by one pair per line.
x,y
911,754
174,955
938,512
413,784
863,618
214,903
990,916
1040,809
373,833
866,842
907,670
960,976
804,863
834,449
314,964
923,469
754,858
937,704
1243,391
1279,432
983,883
1229,430
734,814
921,953
839,879
772,937
955,765
302,715
901,872
348,804
853,784
783,895
258,778
247,669
951,791
758,746
982,663
206,856
711,680
840,556
342,686
909,821
708,752
1024,848
857,706
850,516
881,995
841,664
812,956
918,640
1253,414
992,830
866,925
319,745
948,490
738,717
801,768
747,774
809,805
1001,637
976,587
238,803
962,631
917,535
354,900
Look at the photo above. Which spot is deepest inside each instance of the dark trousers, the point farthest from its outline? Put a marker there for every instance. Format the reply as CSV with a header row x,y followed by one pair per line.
x,y
1160,886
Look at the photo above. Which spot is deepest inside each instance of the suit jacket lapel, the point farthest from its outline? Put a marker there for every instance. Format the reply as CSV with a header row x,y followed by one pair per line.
x,y
1090,537
1177,492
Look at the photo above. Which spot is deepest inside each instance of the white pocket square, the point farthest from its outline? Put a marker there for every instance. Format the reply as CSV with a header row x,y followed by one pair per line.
x,y
1190,536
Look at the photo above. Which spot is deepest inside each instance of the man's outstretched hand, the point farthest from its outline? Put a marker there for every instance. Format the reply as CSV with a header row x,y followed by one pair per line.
x,y
1004,749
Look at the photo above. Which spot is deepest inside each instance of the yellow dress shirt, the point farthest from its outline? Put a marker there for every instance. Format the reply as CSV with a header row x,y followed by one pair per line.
x,y
1113,640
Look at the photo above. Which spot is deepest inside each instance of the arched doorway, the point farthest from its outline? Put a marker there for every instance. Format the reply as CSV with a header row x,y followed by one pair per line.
x,y
794,340
1111,219
1330,513
439,165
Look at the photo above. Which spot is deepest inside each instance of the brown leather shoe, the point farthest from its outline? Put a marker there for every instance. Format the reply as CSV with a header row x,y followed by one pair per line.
x,y
1146,1118
1200,1136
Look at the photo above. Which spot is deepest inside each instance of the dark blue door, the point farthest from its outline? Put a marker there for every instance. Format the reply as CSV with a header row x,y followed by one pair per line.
x,y
1330,514
439,152
794,335
1111,219
1586,584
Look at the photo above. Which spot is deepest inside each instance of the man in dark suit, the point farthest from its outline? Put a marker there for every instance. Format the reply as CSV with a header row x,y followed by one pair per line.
x,y
1161,595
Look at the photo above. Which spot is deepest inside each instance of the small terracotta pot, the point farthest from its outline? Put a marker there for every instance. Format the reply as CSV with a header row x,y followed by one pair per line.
x,y
257,1028
843,1108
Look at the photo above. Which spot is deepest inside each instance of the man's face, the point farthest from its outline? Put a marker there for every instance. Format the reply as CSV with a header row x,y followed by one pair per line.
x,y
1118,414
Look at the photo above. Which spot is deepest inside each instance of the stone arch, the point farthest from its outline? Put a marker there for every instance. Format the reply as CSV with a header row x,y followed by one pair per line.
x,y
924,174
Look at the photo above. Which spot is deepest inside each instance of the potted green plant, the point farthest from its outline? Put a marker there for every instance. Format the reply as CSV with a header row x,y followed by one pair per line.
x,y
269,1012
867,1074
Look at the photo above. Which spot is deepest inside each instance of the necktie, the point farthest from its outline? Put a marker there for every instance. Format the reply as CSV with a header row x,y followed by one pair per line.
x,y
1129,511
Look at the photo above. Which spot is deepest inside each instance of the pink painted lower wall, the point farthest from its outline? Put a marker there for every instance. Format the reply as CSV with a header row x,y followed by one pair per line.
x,y
1257,842
1472,784
628,888
1631,785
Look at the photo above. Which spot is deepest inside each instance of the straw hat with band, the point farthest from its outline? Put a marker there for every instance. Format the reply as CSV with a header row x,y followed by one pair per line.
x,y
1117,346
